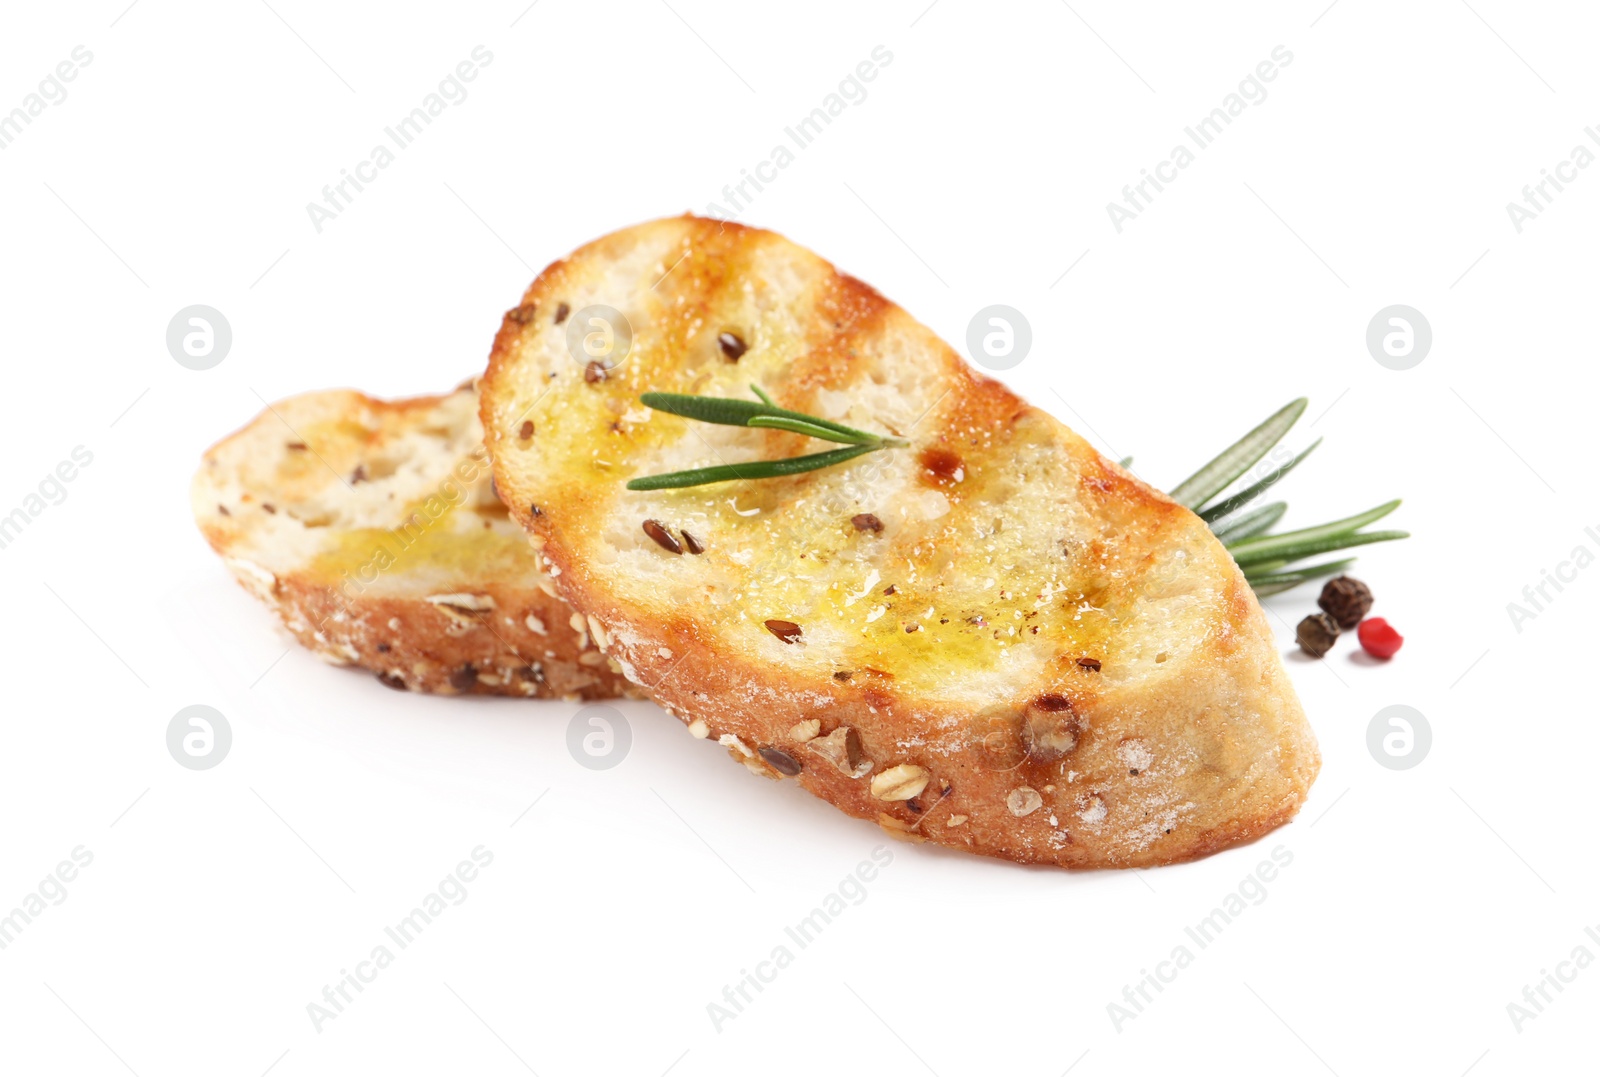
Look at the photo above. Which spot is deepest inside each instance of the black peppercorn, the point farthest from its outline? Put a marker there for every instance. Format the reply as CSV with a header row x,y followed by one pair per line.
x,y
1346,600
1316,634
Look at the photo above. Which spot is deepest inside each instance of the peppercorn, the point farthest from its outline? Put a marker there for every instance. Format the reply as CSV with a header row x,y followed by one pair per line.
x,y
1316,634
1346,600
1378,638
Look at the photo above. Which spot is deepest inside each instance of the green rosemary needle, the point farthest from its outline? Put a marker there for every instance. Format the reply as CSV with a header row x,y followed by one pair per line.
x,y
1268,559
760,414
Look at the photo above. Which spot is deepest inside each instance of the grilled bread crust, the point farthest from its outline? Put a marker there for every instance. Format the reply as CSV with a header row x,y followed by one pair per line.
x,y
371,527
996,639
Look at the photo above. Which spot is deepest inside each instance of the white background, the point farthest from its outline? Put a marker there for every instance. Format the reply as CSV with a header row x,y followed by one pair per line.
x,y
1418,903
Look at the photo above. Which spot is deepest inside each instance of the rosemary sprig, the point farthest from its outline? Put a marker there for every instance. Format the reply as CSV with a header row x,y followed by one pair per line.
x,y
1237,458
756,469
1303,548
1270,583
1249,524
1255,490
762,415
1266,558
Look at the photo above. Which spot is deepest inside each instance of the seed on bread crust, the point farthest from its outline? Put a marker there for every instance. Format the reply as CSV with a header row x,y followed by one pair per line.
x,y
781,761
466,610
900,782
1023,801
691,543
463,600
842,748
1050,727
1090,664
865,521
900,829
595,371
562,310
524,314
526,430
732,345
392,680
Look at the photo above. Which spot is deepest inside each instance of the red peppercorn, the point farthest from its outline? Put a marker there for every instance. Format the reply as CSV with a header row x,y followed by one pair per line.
x,y
1378,639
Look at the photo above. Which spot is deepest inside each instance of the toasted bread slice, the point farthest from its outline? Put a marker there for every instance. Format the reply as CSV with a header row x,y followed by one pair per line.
x,y
372,528
996,639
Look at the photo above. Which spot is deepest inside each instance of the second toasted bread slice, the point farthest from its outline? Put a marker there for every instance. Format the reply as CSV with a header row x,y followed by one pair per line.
x,y
372,528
